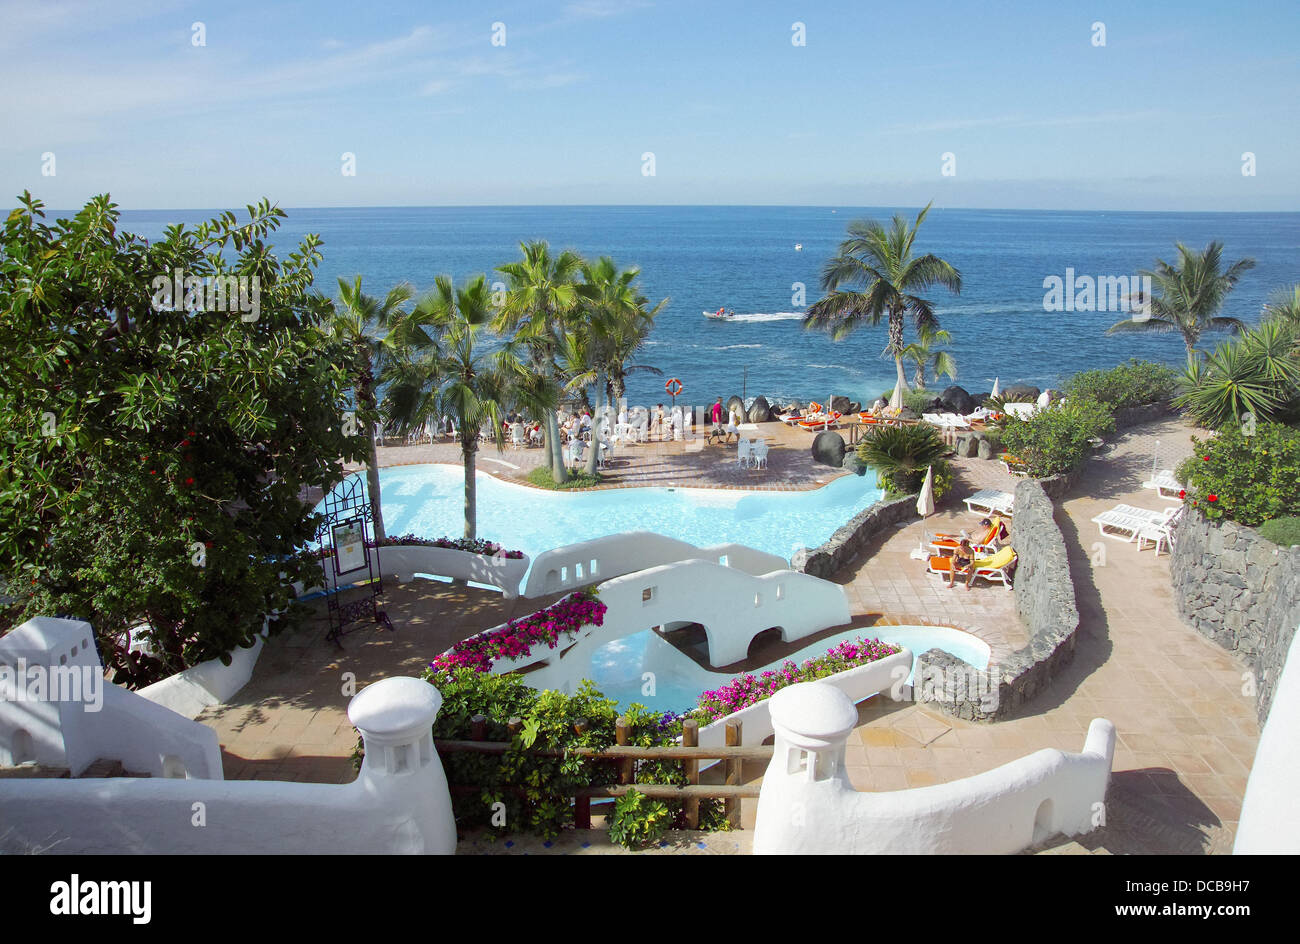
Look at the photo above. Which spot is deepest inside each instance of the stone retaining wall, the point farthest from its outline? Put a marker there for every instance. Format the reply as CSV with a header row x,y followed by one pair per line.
x,y
1046,606
845,544
1241,591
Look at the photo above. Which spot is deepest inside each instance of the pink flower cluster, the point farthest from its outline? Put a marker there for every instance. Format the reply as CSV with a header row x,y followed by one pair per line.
x,y
746,690
516,638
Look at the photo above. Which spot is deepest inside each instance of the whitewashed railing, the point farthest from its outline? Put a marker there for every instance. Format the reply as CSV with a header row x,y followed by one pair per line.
x,y
588,562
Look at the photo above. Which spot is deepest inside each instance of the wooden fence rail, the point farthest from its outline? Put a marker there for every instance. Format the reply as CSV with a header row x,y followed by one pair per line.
x,y
624,755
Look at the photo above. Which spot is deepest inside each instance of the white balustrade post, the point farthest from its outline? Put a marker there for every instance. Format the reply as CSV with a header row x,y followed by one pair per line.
x,y
401,770
801,802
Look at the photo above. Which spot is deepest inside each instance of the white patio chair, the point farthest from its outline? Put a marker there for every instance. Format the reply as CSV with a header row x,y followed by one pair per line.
x,y
743,451
758,455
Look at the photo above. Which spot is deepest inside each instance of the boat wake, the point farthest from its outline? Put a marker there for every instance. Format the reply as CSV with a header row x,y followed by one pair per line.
x,y
759,317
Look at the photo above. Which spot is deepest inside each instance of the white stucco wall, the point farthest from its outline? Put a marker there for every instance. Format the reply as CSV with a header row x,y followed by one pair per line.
x,y
399,802
587,562
209,683
807,805
404,562
1270,815
110,724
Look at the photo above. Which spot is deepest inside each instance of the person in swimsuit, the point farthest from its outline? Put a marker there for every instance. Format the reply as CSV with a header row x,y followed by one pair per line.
x,y
962,559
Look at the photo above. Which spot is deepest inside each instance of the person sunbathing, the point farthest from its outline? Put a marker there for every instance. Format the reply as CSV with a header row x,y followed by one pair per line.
x,y
963,561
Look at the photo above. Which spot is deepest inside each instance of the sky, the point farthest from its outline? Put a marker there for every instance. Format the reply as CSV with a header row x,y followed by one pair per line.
x,y
970,104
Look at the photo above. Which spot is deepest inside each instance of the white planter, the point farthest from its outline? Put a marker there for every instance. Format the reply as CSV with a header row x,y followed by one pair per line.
x,y
406,561
859,683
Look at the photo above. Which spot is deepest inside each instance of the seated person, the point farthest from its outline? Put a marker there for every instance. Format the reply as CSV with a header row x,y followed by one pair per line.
x,y
963,562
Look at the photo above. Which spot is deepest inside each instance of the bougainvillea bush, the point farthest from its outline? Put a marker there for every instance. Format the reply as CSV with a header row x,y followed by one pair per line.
x,y
1247,474
746,690
469,545
523,790
517,638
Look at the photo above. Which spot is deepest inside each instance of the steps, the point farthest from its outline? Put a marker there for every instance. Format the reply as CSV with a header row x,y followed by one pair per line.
x,y
100,769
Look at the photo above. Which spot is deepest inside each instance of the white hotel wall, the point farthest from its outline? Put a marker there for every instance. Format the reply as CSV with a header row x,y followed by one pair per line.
x,y
1270,815
807,805
399,802
587,562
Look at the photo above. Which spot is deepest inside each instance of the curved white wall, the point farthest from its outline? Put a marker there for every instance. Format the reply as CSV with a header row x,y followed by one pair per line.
x,y
807,805
406,560
1270,816
587,562
731,605
399,802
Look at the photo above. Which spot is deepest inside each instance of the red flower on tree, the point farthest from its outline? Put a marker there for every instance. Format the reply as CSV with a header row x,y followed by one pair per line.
x,y
1182,493
1212,497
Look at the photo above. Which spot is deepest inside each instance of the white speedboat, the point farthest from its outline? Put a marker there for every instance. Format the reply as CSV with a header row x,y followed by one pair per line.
x,y
720,315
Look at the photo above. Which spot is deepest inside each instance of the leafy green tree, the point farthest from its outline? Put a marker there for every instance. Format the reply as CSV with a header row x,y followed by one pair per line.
x,y
358,320
876,276
925,354
439,367
1188,297
540,306
158,451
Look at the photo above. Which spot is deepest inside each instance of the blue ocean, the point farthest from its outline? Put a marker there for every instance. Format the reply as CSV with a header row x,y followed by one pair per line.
x,y
745,259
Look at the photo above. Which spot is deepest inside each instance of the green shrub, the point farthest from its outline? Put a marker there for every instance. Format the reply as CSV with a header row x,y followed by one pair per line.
x,y
536,791
901,454
1283,531
1133,384
639,821
1055,440
1246,475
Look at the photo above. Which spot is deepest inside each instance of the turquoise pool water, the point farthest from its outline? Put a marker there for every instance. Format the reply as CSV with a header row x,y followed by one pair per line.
x,y
428,500
620,668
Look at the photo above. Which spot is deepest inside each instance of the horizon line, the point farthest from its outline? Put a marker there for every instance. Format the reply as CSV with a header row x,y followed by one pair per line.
x,y
655,206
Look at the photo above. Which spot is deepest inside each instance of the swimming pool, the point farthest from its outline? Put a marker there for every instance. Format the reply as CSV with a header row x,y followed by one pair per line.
x,y
428,500
647,669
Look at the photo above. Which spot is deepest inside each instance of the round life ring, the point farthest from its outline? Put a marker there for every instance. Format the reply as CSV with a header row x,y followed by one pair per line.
x,y
673,386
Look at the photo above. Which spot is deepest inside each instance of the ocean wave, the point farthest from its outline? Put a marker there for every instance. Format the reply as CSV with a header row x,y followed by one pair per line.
x,y
734,347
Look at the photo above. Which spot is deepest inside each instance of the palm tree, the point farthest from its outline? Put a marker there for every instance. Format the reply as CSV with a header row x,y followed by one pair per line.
x,y
880,263
1283,305
351,321
926,356
540,302
627,336
901,454
1187,298
616,322
439,368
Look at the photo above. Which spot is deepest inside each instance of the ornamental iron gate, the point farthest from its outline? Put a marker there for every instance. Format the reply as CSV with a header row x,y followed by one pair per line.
x,y
346,533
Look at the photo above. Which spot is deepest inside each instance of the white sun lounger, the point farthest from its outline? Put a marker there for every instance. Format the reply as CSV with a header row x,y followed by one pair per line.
x,y
1127,523
988,501
1164,481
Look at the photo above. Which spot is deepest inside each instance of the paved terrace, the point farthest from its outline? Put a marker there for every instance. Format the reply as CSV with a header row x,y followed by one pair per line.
x,y
682,463
1187,735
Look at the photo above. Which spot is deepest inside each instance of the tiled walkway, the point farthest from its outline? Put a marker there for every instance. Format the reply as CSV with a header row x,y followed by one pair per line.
x,y
1187,734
